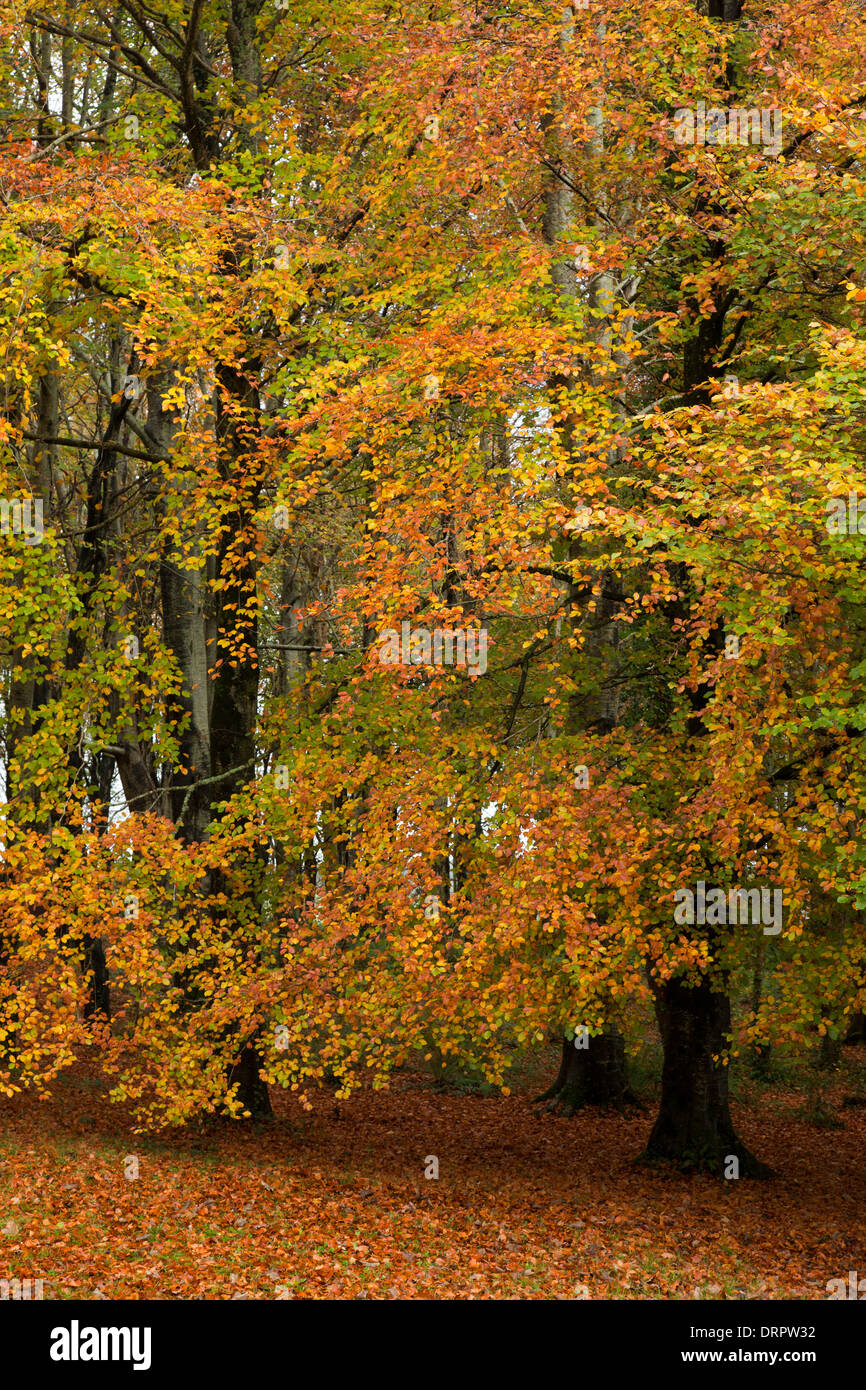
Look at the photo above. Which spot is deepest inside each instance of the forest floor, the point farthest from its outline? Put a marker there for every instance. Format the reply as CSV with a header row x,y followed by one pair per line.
x,y
334,1203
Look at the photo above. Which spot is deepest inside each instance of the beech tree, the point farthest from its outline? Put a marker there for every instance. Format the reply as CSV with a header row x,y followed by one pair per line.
x,y
440,433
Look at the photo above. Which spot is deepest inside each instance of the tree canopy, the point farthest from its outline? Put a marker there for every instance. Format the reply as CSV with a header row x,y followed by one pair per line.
x,y
432,451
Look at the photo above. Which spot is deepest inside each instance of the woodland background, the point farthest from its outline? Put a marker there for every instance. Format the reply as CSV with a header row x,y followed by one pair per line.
x,y
316,320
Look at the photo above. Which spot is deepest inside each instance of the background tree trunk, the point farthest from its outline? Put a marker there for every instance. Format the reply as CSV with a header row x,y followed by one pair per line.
x,y
592,1075
857,1030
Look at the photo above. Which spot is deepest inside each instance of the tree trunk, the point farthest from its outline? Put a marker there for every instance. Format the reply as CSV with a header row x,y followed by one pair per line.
x,y
183,603
694,1126
251,1090
591,1075
98,1001
760,1052
595,1075
829,1053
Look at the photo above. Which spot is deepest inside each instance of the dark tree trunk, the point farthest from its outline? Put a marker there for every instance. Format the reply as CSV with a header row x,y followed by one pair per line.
x,y
235,687
98,1001
251,1090
694,1126
829,1053
592,1075
91,566
761,1057
857,1031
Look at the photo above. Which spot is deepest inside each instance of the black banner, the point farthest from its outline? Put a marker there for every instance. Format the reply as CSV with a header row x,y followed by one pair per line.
x,y
86,1342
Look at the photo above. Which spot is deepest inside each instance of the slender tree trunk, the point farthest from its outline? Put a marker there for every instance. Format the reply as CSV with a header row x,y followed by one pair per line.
x,y
597,1074
760,1051
98,1001
93,561
29,696
181,591
233,711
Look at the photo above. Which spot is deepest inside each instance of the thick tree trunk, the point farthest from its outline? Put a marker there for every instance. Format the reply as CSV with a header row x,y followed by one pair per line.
x,y
694,1126
591,1075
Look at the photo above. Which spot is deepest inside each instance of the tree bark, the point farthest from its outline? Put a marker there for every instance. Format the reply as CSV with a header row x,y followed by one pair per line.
x,y
98,1001
694,1127
181,592
251,1090
592,1075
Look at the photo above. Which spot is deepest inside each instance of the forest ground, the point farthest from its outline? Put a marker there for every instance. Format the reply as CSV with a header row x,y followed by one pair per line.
x,y
333,1202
